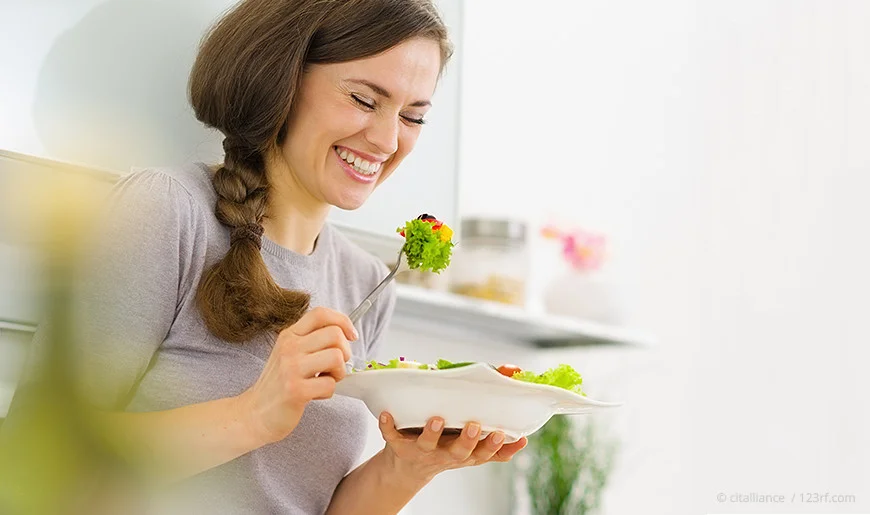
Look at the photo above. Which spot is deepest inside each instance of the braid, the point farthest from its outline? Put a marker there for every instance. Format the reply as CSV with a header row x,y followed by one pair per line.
x,y
242,188
237,296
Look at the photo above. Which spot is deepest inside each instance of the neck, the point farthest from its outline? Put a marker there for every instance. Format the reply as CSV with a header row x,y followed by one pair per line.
x,y
294,218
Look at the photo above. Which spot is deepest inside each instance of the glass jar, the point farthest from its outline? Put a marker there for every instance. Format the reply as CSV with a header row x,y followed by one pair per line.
x,y
491,261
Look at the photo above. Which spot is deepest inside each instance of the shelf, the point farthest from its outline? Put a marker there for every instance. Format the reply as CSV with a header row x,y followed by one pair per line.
x,y
6,325
454,315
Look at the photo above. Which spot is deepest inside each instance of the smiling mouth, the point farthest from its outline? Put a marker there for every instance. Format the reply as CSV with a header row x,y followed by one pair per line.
x,y
359,165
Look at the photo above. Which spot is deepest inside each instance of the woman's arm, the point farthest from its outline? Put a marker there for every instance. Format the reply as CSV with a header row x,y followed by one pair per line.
x,y
375,486
308,359
387,482
175,444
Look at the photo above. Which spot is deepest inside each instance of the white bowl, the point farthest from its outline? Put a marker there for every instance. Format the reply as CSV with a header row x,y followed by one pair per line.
x,y
473,393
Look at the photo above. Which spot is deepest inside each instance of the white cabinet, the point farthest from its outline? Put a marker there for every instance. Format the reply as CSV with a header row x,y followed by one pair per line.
x,y
23,222
103,83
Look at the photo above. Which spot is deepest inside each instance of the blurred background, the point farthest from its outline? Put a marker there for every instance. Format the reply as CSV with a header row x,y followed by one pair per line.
x,y
670,196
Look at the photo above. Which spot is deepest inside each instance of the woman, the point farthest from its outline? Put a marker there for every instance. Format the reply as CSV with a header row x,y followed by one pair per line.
x,y
203,329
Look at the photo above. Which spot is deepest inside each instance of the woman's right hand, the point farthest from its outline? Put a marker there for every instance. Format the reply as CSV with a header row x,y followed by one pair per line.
x,y
307,361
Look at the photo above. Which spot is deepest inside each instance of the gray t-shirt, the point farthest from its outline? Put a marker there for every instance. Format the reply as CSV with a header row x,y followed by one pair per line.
x,y
155,353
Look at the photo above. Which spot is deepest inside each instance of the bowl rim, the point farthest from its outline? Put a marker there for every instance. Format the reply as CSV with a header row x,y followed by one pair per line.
x,y
567,395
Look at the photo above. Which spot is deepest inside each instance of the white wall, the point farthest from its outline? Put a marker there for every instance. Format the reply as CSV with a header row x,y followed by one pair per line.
x,y
722,145
103,83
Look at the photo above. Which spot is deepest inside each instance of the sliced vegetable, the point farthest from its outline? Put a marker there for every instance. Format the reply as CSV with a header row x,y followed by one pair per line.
x,y
509,370
399,362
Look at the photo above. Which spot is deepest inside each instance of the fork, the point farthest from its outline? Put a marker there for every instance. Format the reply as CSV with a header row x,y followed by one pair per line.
x,y
369,301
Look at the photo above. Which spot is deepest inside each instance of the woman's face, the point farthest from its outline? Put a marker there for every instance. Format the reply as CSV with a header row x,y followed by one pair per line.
x,y
354,122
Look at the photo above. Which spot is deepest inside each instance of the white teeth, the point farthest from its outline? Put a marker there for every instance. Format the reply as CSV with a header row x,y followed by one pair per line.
x,y
359,164
363,171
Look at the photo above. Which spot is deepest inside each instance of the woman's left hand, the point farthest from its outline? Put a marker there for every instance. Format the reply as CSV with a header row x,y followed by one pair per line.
x,y
424,456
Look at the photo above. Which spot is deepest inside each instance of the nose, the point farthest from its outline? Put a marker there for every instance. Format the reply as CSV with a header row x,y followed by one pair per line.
x,y
384,134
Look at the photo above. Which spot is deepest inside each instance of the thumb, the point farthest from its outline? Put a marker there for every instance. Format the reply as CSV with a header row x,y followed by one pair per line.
x,y
388,428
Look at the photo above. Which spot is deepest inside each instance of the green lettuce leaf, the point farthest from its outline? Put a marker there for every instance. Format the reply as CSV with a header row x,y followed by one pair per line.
x,y
443,364
424,249
563,376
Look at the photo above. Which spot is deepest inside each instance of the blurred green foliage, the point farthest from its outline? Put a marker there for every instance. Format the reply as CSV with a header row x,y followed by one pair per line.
x,y
566,466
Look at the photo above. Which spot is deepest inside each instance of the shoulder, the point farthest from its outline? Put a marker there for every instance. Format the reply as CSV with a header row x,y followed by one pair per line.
x,y
163,210
185,186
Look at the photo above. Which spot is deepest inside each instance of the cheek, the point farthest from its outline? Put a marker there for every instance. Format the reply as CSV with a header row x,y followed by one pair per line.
x,y
341,121
407,140
317,131
294,150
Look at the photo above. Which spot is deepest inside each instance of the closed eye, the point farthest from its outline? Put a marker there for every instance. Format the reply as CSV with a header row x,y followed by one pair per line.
x,y
364,103
370,105
416,121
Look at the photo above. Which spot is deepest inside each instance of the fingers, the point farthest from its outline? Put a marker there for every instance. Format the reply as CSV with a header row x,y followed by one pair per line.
x,y
388,428
462,448
319,318
488,448
328,361
325,338
320,388
508,451
428,440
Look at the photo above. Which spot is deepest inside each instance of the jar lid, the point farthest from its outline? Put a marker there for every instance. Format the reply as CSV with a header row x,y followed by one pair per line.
x,y
494,228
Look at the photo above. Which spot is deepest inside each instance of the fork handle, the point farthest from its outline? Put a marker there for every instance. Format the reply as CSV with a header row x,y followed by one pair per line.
x,y
366,304
360,310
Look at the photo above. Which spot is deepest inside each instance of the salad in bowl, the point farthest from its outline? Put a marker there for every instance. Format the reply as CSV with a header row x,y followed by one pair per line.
x,y
500,398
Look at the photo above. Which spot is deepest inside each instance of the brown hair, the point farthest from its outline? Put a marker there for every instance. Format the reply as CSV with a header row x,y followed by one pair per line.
x,y
243,83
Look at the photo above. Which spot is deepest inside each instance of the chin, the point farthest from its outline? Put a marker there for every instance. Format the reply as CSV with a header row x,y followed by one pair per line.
x,y
349,204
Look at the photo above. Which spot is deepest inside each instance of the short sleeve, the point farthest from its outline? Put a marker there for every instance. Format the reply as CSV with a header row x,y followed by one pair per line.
x,y
146,247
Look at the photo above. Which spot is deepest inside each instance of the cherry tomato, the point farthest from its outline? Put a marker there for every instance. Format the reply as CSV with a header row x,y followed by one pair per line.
x,y
509,370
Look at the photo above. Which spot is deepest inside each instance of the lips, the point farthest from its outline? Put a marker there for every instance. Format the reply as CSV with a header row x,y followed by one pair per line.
x,y
359,164
354,172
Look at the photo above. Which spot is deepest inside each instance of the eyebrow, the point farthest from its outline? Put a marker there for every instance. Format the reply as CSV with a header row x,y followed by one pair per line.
x,y
386,94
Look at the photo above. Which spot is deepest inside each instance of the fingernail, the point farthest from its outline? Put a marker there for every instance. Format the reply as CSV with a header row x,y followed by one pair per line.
x,y
355,334
497,438
436,424
473,430
384,418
